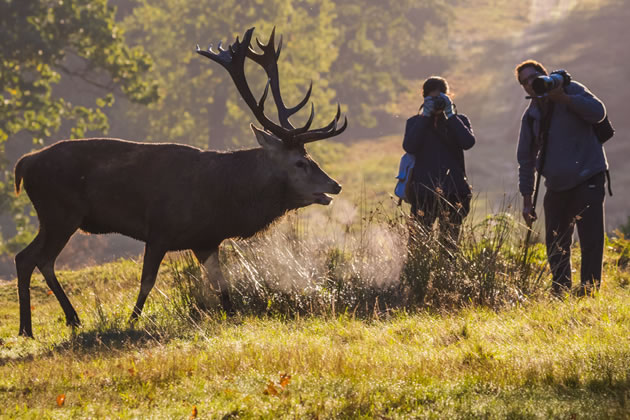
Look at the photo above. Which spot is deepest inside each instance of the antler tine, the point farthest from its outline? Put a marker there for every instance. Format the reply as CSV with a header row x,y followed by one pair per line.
x,y
303,102
263,98
268,60
332,124
313,136
233,60
308,123
330,130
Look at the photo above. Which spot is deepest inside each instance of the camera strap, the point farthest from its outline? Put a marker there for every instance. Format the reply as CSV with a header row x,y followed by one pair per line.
x,y
543,135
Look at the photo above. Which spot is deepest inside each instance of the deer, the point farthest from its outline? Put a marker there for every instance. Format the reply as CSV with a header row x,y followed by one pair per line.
x,y
170,196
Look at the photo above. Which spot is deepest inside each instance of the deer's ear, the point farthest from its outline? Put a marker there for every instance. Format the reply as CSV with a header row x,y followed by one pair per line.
x,y
266,140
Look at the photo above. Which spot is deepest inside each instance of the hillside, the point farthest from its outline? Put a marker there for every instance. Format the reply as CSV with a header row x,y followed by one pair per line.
x,y
581,36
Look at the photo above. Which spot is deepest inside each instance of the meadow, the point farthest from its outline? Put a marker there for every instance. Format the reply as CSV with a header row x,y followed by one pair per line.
x,y
344,325
340,312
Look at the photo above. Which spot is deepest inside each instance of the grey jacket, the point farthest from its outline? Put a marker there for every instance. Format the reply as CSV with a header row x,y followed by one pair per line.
x,y
574,153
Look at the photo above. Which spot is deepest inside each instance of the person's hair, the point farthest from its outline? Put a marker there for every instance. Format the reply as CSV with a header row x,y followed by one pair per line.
x,y
529,63
434,83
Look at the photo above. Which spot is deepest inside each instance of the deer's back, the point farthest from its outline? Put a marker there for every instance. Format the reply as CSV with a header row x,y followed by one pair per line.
x,y
116,185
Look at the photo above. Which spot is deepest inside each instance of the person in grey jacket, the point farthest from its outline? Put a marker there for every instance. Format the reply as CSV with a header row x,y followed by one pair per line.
x,y
437,137
574,171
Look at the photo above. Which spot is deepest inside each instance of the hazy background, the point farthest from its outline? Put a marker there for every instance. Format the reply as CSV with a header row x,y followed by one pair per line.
x,y
370,56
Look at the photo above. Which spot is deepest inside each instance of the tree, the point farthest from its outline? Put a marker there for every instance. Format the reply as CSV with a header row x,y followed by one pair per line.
x,y
43,42
361,53
201,106
385,45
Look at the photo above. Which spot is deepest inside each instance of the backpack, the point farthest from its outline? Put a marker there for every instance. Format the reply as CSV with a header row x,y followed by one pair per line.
x,y
604,130
405,169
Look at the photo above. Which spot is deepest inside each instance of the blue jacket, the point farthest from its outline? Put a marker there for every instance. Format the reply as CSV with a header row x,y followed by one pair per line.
x,y
438,146
573,152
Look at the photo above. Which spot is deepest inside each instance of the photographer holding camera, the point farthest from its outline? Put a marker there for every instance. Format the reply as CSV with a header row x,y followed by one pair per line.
x,y
557,139
437,137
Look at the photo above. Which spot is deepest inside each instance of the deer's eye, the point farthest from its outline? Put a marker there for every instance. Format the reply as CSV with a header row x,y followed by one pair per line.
x,y
300,164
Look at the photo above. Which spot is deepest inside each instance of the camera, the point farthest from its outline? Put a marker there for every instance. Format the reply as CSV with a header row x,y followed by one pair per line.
x,y
544,84
439,103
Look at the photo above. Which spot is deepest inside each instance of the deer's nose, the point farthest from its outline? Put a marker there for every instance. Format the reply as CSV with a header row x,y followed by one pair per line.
x,y
336,188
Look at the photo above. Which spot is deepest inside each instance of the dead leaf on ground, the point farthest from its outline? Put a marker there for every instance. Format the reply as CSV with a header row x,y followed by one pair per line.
x,y
61,398
284,380
270,389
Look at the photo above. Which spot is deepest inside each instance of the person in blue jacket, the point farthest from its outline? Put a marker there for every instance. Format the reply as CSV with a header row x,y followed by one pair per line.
x,y
574,170
437,137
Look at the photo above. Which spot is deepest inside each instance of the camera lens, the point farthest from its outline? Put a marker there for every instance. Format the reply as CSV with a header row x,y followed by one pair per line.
x,y
439,103
544,84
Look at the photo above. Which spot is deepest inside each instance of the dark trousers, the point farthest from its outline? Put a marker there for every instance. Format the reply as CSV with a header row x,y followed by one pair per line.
x,y
583,206
449,210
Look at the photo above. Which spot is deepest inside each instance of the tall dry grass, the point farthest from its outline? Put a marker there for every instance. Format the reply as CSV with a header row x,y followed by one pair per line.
x,y
347,260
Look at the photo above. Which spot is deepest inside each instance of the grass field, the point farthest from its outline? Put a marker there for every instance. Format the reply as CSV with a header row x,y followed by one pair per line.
x,y
532,357
342,325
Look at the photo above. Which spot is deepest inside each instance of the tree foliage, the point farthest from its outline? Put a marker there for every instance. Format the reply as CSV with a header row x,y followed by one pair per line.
x,y
363,54
43,42
201,105
40,39
384,46
359,53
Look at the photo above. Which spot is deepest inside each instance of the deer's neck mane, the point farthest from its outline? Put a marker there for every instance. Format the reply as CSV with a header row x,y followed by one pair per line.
x,y
257,191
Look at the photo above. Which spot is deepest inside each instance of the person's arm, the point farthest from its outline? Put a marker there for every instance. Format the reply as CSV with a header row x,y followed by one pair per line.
x,y
526,157
581,101
412,142
461,130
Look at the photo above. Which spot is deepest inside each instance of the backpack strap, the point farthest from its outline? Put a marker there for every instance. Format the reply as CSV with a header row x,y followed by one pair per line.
x,y
608,182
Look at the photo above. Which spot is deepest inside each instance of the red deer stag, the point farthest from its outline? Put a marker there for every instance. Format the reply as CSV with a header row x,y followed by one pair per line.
x,y
172,196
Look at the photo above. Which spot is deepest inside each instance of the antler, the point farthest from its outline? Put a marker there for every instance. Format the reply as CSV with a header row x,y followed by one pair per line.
x,y
330,130
233,60
268,60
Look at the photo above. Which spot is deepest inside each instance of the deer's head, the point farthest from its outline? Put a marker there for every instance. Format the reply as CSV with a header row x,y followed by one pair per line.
x,y
308,183
283,142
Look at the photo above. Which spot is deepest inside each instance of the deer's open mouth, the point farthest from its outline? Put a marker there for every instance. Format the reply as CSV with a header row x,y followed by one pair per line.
x,y
322,198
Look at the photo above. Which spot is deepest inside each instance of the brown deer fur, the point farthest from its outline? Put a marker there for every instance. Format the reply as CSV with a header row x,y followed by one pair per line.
x,y
170,196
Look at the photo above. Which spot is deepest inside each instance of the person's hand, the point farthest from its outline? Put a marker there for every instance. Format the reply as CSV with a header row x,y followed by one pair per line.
x,y
428,106
529,214
448,109
559,96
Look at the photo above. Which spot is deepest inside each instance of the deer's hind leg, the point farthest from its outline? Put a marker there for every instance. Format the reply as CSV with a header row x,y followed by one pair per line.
x,y
53,235
55,240
25,263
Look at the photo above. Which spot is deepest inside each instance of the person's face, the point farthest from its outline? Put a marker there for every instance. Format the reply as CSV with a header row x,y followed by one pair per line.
x,y
526,76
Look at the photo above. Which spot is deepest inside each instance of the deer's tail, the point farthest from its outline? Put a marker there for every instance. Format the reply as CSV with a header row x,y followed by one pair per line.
x,y
20,167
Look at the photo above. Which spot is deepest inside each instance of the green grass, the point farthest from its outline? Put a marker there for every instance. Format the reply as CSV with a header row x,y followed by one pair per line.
x,y
523,358
544,360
